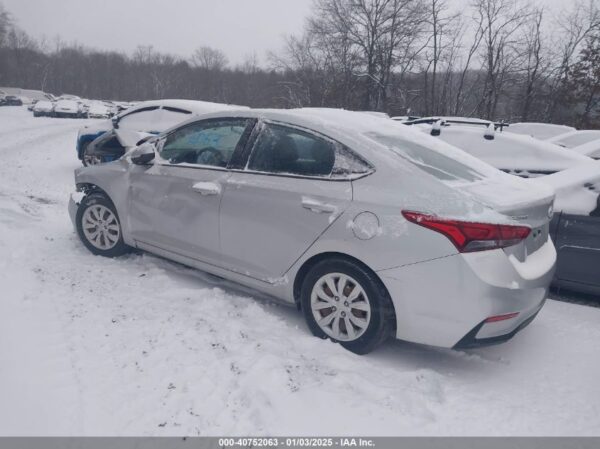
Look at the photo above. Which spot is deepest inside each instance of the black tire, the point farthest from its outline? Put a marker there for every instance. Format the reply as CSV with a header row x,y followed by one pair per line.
x,y
83,150
99,199
382,321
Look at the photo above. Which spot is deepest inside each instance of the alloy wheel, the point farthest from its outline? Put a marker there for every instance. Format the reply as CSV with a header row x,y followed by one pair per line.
x,y
101,227
340,307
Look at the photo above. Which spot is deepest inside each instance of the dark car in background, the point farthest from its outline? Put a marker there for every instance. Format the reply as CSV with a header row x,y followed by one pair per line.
x,y
575,227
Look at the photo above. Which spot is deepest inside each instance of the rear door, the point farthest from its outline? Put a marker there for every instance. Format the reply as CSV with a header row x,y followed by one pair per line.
x,y
285,196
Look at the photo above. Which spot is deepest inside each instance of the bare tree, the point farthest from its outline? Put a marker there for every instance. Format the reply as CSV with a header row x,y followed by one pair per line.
x,y
572,28
441,43
536,64
209,58
502,20
381,33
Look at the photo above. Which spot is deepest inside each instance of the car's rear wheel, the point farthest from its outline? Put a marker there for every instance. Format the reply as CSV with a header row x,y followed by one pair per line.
x,y
99,227
345,302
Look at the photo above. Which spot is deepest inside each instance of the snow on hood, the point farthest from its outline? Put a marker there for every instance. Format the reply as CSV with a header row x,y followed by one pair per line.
x,y
67,104
577,189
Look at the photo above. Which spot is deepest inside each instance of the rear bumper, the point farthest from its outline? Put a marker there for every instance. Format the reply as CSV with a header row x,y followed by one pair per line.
x,y
474,339
446,301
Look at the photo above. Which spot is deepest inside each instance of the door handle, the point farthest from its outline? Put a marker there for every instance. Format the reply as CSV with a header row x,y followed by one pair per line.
x,y
207,188
318,206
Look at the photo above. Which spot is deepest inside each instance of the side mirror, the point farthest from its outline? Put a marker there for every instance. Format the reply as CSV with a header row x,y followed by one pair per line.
x,y
143,155
115,122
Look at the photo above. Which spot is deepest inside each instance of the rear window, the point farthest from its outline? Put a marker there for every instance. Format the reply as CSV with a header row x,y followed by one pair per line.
x,y
431,161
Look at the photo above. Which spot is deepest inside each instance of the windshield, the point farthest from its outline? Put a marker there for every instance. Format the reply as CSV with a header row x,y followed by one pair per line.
x,y
431,161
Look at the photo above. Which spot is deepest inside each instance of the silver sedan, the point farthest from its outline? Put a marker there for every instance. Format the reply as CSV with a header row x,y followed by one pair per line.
x,y
371,228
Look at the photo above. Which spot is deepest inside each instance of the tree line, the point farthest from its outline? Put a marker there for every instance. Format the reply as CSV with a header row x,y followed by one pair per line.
x,y
494,59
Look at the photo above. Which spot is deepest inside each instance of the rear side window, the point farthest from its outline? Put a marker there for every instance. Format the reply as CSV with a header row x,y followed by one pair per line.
x,y
286,150
431,161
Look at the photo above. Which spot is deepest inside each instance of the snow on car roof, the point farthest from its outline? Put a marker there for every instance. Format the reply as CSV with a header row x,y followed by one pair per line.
x,y
576,189
511,151
539,130
590,149
576,138
194,106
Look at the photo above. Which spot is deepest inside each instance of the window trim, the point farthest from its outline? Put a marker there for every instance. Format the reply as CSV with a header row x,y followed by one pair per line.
x,y
176,110
144,109
259,128
251,122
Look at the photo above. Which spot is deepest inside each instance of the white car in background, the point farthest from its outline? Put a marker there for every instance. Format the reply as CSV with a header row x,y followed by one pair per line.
x,y
575,139
98,110
542,131
68,109
512,153
43,109
108,140
591,149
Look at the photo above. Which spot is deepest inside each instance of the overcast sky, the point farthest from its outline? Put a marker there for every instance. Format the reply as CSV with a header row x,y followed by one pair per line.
x,y
238,27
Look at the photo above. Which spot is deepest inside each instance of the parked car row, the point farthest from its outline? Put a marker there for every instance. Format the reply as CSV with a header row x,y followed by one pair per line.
x,y
71,106
372,228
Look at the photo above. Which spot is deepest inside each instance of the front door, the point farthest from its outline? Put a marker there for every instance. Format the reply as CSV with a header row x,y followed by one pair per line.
x,y
174,204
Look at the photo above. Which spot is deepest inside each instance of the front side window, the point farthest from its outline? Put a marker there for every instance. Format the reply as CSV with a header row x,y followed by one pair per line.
x,y
285,150
204,143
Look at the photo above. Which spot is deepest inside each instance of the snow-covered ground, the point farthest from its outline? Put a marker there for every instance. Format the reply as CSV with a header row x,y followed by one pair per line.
x,y
142,346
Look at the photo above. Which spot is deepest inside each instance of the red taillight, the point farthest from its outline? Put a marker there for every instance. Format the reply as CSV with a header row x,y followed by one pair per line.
x,y
470,237
495,319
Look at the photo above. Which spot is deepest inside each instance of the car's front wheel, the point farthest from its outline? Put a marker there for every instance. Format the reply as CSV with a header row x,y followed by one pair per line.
x,y
99,227
345,302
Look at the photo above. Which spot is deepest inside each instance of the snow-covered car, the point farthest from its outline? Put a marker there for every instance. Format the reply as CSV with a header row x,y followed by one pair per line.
x,y
590,149
371,228
542,131
43,109
516,154
575,228
11,100
575,139
98,110
68,109
136,123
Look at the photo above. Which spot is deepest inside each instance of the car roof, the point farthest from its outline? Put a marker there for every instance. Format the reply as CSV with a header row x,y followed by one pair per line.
x,y
194,106
508,149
